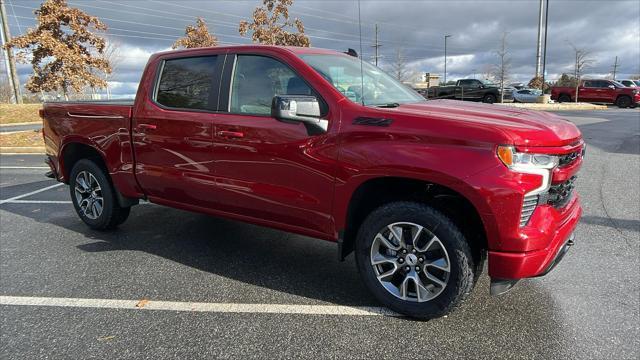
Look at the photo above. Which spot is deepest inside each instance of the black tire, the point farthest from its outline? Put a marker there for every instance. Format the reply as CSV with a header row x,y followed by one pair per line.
x,y
112,213
564,98
462,268
623,102
123,215
489,99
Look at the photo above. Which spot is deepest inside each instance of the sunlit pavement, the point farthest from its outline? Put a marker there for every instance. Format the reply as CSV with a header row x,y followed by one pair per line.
x,y
170,283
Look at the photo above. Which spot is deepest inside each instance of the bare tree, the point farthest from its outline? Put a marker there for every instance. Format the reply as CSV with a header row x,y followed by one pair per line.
x,y
487,73
583,61
398,67
502,70
112,55
6,92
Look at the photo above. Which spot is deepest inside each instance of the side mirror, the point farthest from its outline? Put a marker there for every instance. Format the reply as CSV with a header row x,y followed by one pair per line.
x,y
611,87
299,108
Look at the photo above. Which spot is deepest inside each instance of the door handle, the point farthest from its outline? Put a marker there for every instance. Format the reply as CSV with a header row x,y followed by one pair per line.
x,y
231,134
147,126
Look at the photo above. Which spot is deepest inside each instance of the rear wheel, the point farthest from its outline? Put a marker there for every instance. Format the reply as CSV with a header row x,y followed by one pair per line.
x,y
623,102
489,99
414,260
94,198
564,98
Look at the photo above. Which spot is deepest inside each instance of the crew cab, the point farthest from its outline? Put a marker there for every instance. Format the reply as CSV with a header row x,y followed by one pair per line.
x,y
471,90
319,143
598,91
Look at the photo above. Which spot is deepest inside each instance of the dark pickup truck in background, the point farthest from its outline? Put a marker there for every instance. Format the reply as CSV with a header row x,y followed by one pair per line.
x,y
470,90
598,91
422,191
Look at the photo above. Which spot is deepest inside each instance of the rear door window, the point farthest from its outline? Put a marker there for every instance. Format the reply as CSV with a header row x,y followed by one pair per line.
x,y
187,83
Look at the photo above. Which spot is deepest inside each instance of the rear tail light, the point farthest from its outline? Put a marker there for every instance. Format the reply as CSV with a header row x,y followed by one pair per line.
x,y
41,113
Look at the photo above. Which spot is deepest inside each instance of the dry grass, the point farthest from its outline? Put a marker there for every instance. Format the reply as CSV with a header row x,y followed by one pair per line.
x,y
23,138
11,113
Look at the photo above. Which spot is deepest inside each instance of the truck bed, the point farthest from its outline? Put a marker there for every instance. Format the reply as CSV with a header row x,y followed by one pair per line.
x,y
124,102
104,126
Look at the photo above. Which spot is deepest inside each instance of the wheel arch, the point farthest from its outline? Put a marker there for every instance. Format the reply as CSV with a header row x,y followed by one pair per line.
x,y
74,151
378,191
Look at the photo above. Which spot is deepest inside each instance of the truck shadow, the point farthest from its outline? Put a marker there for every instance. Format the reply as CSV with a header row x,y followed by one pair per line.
x,y
302,267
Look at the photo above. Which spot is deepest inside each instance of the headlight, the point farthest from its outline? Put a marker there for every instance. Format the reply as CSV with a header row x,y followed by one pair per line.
x,y
518,161
635,92
539,164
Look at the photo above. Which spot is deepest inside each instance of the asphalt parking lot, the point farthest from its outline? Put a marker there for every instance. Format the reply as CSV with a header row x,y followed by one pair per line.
x,y
219,288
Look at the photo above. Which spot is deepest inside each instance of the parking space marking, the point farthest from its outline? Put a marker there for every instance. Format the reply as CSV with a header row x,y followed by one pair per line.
x,y
39,202
25,167
29,194
198,306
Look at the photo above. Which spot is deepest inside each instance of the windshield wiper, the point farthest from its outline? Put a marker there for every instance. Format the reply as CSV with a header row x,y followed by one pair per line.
x,y
388,105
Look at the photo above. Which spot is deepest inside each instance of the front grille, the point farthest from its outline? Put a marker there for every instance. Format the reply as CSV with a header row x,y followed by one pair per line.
x,y
560,194
528,207
568,158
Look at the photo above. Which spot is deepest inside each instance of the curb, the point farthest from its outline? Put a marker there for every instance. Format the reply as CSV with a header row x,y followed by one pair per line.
x,y
556,106
22,150
15,132
22,123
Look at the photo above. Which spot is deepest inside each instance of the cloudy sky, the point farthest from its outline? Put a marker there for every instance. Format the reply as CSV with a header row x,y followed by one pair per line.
x,y
605,28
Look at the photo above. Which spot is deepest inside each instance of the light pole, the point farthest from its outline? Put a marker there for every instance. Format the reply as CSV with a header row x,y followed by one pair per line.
x,y
445,58
544,53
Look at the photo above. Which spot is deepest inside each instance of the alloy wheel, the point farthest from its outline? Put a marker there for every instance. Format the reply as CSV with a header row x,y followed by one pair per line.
x,y
410,262
88,195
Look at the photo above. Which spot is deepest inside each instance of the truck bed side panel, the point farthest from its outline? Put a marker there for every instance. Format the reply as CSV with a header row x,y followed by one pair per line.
x,y
106,127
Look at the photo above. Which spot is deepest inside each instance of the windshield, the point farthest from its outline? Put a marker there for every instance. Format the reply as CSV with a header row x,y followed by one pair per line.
x,y
617,84
343,72
487,83
637,82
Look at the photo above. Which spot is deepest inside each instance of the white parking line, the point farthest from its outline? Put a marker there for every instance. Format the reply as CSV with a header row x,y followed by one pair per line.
x,y
198,306
38,202
29,194
25,167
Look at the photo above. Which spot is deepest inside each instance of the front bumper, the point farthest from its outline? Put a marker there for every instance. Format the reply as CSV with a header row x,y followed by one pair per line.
x,y
518,265
501,286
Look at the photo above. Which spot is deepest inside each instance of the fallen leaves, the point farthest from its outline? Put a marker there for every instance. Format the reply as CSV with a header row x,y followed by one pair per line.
x,y
142,303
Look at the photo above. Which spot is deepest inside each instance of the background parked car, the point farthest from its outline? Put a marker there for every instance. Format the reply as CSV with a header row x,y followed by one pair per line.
x,y
630,83
526,95
598,91
470,90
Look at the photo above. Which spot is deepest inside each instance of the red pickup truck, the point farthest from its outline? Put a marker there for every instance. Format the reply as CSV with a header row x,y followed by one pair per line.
x,y
423,191
598,91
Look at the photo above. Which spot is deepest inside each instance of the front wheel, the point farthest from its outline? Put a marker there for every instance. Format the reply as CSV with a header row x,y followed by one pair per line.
x,y
564,98
489,99
93,197
414,260
623,102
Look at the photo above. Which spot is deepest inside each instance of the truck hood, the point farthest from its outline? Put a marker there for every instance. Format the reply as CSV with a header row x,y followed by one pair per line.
x,y
523,127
